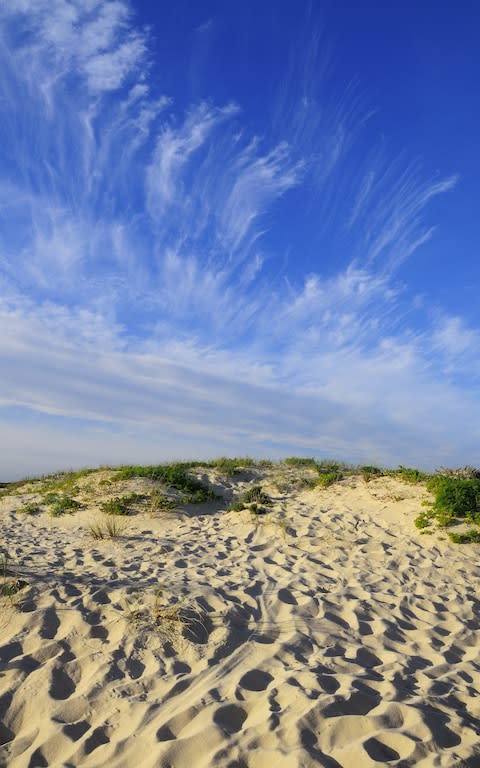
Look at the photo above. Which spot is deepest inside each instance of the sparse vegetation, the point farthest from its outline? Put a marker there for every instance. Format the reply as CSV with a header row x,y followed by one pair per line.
x,y
370,472
171,475
326,479
456,500
120,505
409,474
32,508
161,504
169,619
109,528
63,505
231,467
10,584
255,499
472,536
300,461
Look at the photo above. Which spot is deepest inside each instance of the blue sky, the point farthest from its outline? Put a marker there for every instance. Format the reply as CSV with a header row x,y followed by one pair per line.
x,y
238,228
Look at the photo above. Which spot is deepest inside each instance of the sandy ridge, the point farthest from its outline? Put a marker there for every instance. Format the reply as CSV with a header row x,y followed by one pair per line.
x,y
342,637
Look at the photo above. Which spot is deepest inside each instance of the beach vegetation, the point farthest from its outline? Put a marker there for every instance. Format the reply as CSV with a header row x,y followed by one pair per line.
x,y
254,499
409,474
370,472
160,503
326,479
32,508
300,461
173,476
121,505
471,536
109,528
63,505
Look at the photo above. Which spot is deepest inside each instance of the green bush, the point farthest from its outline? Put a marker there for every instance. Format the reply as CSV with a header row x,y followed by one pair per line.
x,y
455,497
64,505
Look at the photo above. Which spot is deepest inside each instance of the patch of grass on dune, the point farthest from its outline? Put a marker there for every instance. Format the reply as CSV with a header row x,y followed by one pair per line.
x,y
121,505
32,508
300,461
370,472
456,500
173,476
255,499
231,467
408,474
63,505
65,481
326,479
109,528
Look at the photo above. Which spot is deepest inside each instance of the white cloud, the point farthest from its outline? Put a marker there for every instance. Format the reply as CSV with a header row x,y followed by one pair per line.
x,y
139,293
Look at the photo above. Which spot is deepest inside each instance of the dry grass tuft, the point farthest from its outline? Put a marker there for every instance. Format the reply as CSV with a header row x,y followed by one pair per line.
x,y
109,528
168,620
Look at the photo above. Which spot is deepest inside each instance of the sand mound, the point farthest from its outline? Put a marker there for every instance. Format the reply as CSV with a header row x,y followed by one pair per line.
x,y
323,631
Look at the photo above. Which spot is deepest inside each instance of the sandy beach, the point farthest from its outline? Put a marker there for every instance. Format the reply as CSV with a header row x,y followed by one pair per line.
x,y
321,630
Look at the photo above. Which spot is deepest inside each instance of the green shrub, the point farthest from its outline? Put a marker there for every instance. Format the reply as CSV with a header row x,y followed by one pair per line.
x,y
456,497
472,536
64,505
328,478
256,494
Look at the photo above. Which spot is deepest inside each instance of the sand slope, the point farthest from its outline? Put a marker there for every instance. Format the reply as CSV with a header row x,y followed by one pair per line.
x,y
338,637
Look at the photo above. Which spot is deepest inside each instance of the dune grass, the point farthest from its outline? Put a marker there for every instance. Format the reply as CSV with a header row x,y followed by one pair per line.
x,y
108,528
172,476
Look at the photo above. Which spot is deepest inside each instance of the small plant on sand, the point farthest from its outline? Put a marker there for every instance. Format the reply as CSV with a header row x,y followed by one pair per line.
x,y
423,520
253,498
10,584
109,528
154,613
32,508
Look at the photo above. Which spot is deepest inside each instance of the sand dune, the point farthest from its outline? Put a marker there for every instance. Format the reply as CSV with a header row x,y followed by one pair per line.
x,y
326,632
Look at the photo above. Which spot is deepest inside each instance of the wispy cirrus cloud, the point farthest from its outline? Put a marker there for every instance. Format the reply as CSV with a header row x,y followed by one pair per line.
x,y
141,289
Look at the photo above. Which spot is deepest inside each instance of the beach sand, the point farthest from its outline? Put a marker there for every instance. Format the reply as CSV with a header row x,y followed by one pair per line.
x,y
327,632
